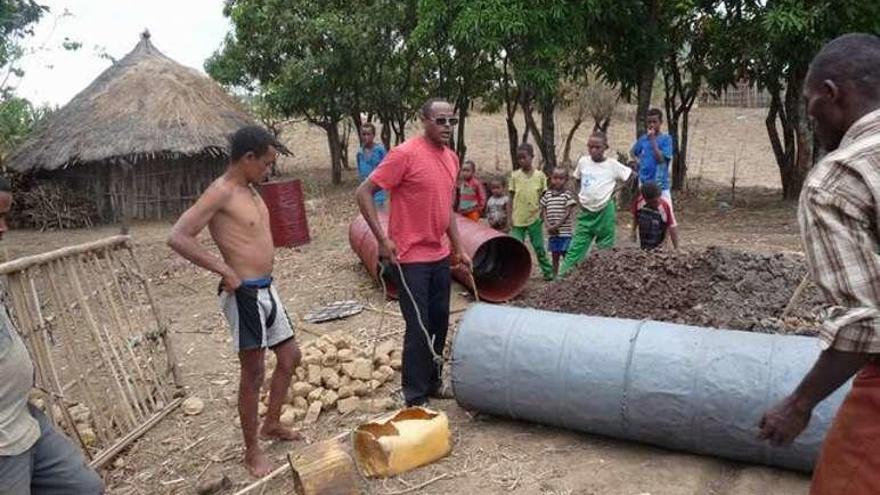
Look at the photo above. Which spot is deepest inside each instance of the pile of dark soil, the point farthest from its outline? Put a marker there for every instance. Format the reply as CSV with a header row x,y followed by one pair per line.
x,y
715,287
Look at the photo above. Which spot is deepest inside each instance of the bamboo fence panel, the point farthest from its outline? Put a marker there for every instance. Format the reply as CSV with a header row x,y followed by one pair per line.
x,y
100,346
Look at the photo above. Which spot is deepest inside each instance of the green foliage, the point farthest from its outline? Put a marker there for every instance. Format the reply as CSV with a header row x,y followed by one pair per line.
x,y
18,118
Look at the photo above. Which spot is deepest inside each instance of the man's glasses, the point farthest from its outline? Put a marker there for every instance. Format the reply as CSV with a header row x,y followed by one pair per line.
x,y
451,121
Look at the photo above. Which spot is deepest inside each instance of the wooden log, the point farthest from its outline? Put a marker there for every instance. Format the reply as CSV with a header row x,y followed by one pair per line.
x,y
323,468
108,454
22,264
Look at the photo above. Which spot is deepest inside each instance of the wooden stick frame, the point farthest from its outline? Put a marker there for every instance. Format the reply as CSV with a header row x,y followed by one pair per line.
x,y
99,344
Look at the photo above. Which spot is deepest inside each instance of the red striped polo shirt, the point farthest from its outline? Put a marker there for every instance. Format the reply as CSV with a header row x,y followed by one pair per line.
x,y
421,178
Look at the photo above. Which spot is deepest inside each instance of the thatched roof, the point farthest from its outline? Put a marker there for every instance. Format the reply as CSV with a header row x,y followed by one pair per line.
x,y
142,107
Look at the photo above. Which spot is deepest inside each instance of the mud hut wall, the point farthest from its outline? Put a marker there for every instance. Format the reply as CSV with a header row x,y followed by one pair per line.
x,y
160,189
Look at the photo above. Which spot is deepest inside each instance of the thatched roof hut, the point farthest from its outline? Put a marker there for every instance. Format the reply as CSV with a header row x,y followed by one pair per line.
x,y
145,138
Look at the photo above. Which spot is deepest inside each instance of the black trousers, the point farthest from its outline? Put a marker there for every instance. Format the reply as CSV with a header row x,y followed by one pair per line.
x,y
430,285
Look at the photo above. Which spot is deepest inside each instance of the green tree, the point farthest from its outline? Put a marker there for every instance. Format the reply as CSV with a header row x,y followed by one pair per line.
x,y
18,118
302,58
17,19
781,37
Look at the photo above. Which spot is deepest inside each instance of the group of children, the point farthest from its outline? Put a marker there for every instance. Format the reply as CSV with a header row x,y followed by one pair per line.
x,y
574,218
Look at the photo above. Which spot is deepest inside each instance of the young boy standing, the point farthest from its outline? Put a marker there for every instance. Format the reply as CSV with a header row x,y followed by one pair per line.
x,y
369,156
598,177
653,151
653,219
526,187
557,208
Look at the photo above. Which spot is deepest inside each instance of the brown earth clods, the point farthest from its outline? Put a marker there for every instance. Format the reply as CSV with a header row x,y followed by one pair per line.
x,y
715,287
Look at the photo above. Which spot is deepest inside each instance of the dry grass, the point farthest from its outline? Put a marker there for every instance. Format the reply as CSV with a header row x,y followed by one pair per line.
x,y
143,106
719,137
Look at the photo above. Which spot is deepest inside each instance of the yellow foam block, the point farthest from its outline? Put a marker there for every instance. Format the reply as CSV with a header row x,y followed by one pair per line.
x,y
402,441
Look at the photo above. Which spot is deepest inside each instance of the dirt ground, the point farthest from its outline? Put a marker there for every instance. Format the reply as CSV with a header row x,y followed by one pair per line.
x,y
490,455
714,287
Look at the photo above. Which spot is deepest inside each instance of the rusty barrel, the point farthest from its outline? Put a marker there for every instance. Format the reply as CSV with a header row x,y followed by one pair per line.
x,y
502,264
287,212
364,244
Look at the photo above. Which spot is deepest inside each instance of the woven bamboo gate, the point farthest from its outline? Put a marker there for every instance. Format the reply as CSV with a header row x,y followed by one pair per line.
x,y
98,341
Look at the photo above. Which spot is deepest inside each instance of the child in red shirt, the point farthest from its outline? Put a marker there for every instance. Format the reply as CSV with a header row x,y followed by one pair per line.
x,y
653,219
470,197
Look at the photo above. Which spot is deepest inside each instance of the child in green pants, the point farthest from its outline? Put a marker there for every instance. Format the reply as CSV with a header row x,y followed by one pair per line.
x,y
598,178
524,208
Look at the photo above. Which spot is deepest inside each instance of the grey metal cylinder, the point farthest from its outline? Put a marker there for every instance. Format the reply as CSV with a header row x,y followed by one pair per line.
x,y
681,387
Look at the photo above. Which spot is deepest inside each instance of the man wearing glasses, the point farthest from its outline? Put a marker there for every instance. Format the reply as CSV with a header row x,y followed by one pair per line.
x,y
421,244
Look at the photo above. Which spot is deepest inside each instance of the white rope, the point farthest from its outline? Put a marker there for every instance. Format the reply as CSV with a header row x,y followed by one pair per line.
x,y
438,359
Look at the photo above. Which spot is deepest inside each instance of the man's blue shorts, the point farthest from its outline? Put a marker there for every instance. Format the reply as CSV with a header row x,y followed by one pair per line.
x,y
558,244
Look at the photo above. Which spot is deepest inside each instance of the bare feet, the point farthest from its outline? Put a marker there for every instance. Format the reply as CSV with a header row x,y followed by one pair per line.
x,y
278,432
256,463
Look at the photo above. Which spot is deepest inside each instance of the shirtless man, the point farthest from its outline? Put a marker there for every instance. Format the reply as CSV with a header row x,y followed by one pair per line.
x,y
239,224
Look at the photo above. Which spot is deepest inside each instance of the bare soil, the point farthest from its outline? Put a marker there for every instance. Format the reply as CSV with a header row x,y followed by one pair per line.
x,y
713,287
490,455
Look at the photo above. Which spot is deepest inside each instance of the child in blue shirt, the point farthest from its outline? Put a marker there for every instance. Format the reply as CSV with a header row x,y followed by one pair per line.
x,y
653,151
369,156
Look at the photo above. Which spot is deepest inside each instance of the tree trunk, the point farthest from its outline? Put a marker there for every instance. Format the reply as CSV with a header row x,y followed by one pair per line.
x,y
460,146
566,152
645,88
385,134
794,152
343,145
679,165
512,141
333,142
548,132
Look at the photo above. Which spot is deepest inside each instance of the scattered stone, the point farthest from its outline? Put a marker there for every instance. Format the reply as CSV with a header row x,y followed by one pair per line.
x,y
348,405
360,388
313,412
344,380
301,373
191,407
384,373
300,403
330,358
329,398
315,375
374,385
119,463
288,418
385,348
381,404
345,355
396,364
212,486
316,394
330,379
87,434
382,360
301,389
310,359
346,391
262,408
361,369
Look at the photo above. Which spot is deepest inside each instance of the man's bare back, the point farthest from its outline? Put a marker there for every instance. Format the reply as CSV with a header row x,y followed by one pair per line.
x,y
240,228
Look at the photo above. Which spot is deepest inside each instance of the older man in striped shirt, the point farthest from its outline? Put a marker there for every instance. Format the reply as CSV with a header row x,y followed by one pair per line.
x,y
839,215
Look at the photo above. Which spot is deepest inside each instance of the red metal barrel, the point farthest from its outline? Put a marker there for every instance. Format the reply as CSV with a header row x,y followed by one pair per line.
x,y
364,244
502,264
287,212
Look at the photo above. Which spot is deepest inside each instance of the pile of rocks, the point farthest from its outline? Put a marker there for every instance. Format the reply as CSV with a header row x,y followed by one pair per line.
x,y
337,372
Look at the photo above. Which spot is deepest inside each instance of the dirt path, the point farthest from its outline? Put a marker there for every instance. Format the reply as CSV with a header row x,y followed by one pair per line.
x,y
490,455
